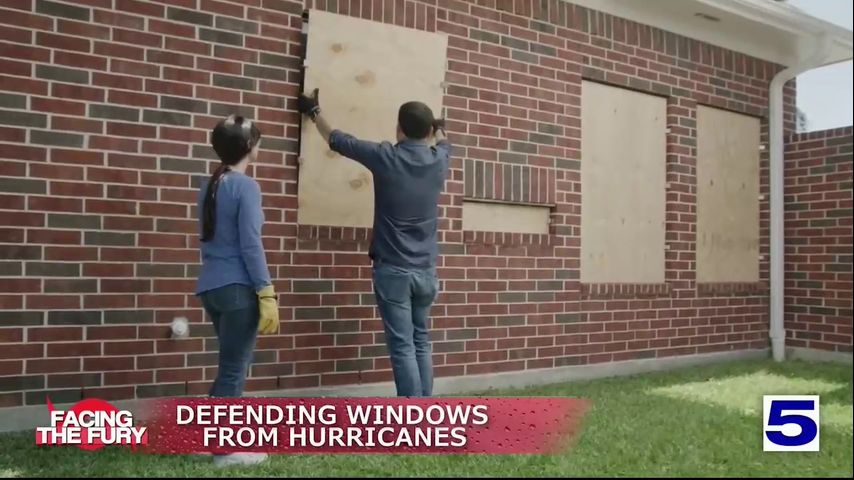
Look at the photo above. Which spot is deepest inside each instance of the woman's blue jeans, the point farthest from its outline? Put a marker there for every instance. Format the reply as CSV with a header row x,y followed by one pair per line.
x,y
233,309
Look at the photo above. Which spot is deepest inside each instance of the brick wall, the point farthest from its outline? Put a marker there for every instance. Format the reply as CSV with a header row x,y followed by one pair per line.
x,y
818,240
106,107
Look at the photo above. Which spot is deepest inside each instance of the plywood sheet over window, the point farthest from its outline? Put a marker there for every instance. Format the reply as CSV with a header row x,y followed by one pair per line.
x,y
365,71
623,172
507,218
727,196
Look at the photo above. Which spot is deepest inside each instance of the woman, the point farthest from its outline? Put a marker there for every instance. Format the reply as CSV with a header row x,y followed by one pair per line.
x,y
234,282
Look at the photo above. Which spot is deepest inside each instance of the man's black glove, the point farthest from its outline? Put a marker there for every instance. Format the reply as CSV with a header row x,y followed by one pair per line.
x,y
438,124
309,105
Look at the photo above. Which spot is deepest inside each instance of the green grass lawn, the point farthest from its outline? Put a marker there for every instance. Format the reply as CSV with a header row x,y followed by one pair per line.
x,y
703,421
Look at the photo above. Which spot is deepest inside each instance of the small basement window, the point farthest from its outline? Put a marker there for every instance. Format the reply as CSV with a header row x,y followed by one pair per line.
x,y
506,218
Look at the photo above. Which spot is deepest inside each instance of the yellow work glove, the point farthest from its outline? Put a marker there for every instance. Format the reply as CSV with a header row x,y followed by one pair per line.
x,y
268,305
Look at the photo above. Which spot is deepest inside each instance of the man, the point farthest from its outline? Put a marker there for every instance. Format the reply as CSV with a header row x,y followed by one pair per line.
x,y
408,178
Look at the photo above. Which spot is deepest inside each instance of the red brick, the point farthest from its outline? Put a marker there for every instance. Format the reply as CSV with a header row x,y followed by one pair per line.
x,y
82,29
24,52
109,393
110,332
132,98
170,58
13,202
172,256
11,335
161,361
15,34
134,68
54,365
177,134
11,399
172,29
134,377
11,367
81,157
131,130
116,81
63,42
219,66
185,75
125,254
17,135
110,207
184,45
75,349
56,302
140,7
265,44
162,285
9,302
25,85
74,380
107,270
77,92
186,345
128,223
118,19
14,17
76,124
125,286
160,301
135,347
22,219
52,236
229,9
179,375
111,143
15,169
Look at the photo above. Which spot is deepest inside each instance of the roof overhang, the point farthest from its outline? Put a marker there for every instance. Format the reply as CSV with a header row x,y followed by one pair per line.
x,y
766,29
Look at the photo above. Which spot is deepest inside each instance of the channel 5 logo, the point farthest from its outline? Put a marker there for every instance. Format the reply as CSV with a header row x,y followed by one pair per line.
x,y
790,423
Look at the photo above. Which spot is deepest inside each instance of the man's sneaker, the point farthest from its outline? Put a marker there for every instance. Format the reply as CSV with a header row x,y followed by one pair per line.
x,y
239,459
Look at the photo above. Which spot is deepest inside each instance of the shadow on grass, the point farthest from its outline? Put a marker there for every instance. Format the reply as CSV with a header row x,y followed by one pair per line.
x,y
628,432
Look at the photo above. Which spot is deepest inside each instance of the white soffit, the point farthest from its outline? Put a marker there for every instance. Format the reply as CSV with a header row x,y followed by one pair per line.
x,y
765,29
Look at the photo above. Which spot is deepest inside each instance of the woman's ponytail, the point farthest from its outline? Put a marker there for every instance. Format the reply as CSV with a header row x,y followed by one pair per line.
x,y
209,207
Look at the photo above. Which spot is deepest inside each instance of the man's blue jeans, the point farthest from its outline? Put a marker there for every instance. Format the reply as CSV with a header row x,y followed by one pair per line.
x,y
234,312
404,297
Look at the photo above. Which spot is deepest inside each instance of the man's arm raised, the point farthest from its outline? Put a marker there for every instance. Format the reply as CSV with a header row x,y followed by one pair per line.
x,y
364,152
442,144
323,126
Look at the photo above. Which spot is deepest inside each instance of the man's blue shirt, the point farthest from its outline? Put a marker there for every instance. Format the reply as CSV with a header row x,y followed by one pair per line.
x,y
408,179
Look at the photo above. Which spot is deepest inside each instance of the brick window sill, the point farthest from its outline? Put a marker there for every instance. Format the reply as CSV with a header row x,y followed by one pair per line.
x,y
731,288
504,238
338,234
624,290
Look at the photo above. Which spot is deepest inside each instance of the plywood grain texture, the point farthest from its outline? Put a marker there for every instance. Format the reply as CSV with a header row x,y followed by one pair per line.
x,y
502,217
727,196
364,71
623,178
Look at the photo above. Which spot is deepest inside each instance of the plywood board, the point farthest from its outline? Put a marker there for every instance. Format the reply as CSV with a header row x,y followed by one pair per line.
x,y
727,196
501,217
623,180
365,71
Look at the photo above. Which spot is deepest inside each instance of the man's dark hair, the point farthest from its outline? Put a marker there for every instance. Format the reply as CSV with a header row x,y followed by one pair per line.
x,y
415,119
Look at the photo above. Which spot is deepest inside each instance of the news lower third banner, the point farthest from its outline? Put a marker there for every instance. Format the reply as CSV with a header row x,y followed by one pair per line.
x,y
494,425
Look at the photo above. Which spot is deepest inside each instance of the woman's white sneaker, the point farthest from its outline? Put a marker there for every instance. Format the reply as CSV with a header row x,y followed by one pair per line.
x,y
246,458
